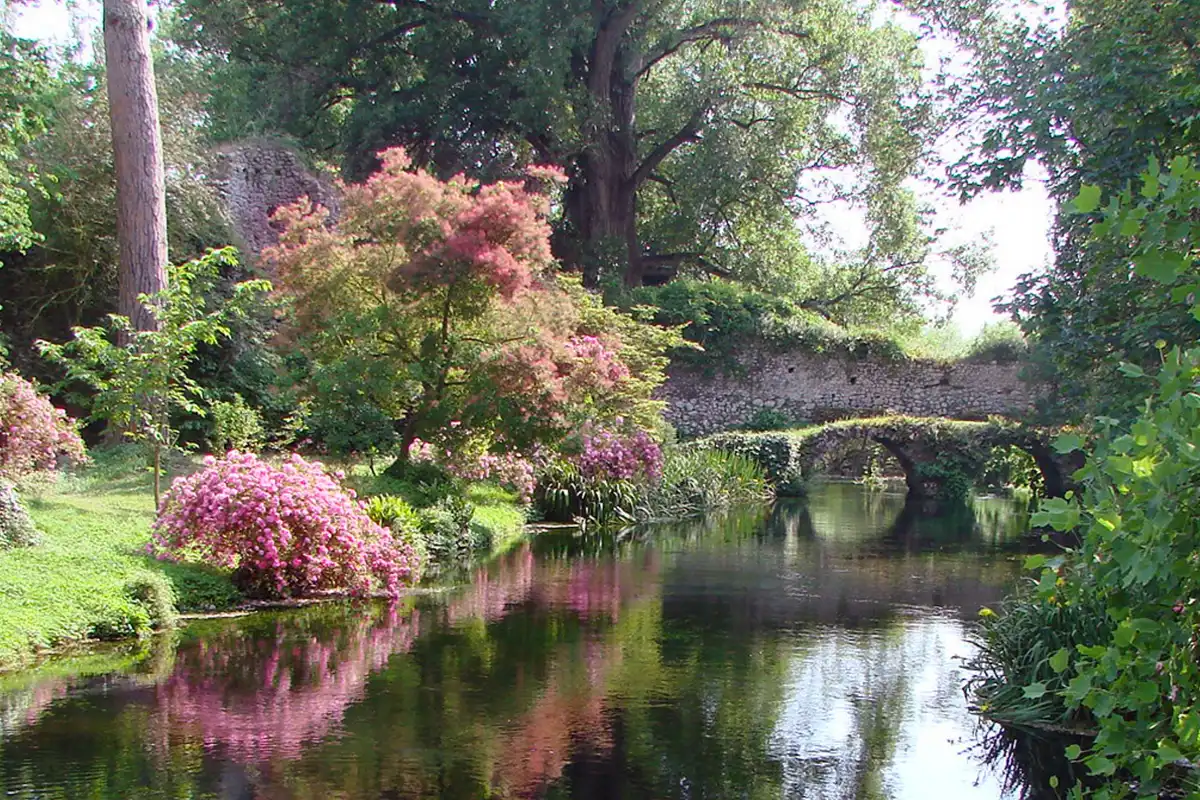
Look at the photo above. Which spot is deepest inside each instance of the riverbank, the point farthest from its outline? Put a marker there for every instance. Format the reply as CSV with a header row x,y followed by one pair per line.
x,y
86,580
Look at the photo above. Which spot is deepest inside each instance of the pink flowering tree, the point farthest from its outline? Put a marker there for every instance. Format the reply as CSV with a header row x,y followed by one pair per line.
x,y
288,529
34,434
437,306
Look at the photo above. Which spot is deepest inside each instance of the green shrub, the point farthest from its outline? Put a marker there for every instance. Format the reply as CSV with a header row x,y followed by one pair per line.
x,y
153,592
768,419
449,535
696,482
564,494
1015,646
1000,341
403,520
235,426
778,454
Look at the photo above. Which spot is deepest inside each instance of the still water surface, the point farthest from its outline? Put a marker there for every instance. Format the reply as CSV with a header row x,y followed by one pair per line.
x,y
810,653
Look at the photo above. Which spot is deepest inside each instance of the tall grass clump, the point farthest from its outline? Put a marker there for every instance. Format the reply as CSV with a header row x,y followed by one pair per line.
x,y
1014,679
696,482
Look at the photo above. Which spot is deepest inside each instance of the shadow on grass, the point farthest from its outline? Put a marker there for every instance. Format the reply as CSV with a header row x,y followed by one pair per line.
x,y
198,587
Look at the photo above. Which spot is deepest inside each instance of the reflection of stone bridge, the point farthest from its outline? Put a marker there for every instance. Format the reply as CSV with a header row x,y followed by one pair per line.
x,y
933,452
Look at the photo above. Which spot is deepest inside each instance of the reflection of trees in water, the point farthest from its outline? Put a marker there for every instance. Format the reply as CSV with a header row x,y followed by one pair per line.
x,y
862,705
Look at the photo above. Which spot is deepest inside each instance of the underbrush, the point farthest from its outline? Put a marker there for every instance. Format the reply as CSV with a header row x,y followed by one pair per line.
x,y
693,482
1015,679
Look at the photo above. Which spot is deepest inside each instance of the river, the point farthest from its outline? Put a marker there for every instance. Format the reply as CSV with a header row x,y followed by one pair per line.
x,y
812,652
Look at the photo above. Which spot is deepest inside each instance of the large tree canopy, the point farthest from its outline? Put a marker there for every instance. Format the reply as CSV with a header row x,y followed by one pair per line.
x,y
686,127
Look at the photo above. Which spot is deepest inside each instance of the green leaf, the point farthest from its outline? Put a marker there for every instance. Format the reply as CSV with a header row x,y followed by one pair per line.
x,y
1163,266
1123,635
1073,752
1168,752
1068,442
1059,661
1035,561
1088,199
1099,765
1035,690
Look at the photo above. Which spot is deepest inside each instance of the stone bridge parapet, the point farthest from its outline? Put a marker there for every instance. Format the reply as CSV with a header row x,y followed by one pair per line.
x,y
803,385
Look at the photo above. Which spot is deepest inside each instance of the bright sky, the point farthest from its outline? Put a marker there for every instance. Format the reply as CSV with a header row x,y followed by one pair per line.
x,y
1018,221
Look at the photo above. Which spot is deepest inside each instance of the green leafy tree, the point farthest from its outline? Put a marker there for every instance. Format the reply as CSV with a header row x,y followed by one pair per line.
x,y
138,383
68,277
1089,101
688,130
1137,514
24,74
432,310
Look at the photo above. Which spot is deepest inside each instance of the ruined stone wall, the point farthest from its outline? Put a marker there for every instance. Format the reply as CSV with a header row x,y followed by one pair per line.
x,y
808,386
258,176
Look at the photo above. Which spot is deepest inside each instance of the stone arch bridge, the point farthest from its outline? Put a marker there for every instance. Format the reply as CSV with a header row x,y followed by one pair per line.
x,y
932,451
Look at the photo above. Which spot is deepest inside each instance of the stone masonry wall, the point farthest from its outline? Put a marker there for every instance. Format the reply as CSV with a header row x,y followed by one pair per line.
x,y
256,177
808,386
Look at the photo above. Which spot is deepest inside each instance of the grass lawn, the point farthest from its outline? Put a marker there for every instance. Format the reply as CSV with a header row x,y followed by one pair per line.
x,y
76,585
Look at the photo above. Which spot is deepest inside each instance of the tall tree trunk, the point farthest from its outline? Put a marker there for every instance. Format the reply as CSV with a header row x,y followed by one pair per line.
x,y
137,153
602,203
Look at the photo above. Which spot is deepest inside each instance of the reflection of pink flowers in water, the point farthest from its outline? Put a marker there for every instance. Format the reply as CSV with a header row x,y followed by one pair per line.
x,y
23,707
261,699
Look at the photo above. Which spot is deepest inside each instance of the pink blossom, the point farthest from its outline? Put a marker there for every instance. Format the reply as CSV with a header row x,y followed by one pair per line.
x,y
293,523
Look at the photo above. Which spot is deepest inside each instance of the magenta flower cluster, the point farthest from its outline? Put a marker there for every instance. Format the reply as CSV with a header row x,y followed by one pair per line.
x,y
33,433
292,525
614,456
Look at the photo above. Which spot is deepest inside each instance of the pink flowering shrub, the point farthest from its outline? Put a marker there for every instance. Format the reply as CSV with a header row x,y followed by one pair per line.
x,y
33,433
613,456
289,529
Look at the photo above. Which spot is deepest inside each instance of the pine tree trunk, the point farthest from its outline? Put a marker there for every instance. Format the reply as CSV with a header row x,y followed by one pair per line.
x,y
137,153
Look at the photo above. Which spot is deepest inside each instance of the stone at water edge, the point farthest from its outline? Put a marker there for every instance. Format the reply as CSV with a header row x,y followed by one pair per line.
x,y
16,526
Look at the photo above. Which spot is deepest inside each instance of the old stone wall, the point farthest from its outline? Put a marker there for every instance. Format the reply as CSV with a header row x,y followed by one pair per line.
x,y
255,178
808,386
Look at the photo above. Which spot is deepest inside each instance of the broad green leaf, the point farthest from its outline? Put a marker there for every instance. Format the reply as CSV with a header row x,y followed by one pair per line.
x,y
1100,765
1163,266
1068,442
1088,199
1123,635
1035,690
1074,751
1058,661
1168,752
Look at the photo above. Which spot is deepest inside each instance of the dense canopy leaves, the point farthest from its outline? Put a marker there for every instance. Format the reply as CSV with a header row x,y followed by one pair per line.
x,y
690,131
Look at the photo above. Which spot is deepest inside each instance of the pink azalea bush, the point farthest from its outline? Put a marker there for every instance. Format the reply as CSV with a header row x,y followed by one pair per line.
x,y
33,433
290,529
613,456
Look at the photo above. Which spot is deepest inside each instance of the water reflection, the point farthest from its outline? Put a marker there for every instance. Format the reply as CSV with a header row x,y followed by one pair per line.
x,y
808,654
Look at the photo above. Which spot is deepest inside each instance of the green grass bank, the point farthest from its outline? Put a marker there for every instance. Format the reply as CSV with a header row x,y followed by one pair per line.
x,y
89,578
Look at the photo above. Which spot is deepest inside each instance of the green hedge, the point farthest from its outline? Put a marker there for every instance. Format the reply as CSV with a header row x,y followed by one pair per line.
x,y
778,452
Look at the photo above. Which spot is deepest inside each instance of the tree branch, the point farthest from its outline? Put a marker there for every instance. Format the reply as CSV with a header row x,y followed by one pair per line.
x,y
802,92
715,29
688,133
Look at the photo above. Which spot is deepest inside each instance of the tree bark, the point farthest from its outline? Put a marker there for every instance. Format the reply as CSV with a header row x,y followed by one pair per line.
x,y
138,156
